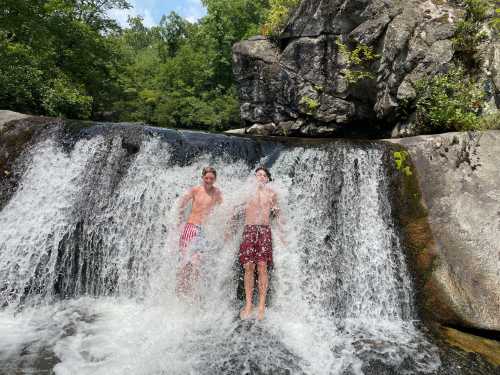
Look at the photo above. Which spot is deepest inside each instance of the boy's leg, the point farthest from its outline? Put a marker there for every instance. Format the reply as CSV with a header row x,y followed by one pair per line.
x,y
183,280
263,285
249,282
195,269
188,272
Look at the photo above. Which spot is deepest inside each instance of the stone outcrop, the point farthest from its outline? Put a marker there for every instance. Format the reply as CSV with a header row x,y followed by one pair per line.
x,y
16,134
299,83
451,220
6,116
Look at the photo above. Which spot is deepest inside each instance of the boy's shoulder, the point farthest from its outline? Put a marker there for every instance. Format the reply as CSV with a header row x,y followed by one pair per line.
x,y
195,189
271,192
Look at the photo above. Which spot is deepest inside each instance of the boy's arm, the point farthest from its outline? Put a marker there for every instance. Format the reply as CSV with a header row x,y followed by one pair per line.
x,y
183,202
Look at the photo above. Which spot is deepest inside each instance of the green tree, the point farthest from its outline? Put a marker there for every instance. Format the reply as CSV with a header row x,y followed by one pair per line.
x,y
182,75
57,56
173,31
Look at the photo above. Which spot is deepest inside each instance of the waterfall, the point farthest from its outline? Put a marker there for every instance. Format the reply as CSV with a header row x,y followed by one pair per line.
x,y
88,256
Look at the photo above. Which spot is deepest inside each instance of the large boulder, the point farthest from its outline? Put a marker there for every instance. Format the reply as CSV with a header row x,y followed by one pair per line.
x,y
451,221
302,75
7,116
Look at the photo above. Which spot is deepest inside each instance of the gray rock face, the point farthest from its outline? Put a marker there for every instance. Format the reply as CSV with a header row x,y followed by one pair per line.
x,y
459,179
6,116
305,78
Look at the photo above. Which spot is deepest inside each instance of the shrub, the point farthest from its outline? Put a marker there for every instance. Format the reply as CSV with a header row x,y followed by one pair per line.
x,y
310,104
469,34
357,61
277,16
62,98
495,22
490,121
448,102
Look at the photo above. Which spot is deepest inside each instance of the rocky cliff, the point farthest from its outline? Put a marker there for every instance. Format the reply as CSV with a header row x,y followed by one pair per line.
x,y
450,215
300,84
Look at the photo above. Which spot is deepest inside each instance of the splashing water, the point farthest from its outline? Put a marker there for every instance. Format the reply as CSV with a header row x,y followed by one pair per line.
x,y
88,258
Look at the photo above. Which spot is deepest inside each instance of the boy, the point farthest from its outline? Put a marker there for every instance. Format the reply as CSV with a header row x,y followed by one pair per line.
x,y
192,240
256,249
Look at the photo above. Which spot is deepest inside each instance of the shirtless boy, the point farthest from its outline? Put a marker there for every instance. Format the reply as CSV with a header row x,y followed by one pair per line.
x,y
192,241
256,249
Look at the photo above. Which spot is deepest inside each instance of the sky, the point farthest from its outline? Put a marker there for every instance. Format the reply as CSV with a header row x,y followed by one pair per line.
x,y
152,10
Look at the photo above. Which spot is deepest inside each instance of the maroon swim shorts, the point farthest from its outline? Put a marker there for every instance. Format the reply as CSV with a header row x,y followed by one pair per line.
x,y
257,245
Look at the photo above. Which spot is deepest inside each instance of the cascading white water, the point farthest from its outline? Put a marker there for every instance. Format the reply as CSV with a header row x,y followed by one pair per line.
x,y
97,227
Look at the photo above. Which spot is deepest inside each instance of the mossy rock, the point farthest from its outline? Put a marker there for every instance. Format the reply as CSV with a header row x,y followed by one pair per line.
x,y
489,349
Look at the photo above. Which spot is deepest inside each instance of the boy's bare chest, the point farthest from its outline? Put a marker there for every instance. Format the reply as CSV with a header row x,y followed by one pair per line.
x,y
203,199
260,200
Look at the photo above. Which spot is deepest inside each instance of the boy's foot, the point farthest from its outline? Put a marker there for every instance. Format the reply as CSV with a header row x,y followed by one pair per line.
x,y
246,312
260,314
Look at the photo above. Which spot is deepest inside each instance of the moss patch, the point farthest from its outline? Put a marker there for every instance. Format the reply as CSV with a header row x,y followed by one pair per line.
x,y
489,349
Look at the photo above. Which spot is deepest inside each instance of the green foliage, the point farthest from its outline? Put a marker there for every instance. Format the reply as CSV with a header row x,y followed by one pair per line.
x,y
310,104
278,14
179,74
68,58
57,57
357,61
495,22
62,98
449,102
400,158
490,121
477,10
469,33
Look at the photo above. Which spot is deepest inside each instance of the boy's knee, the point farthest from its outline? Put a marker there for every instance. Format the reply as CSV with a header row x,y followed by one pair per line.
x,y
249,266
262,267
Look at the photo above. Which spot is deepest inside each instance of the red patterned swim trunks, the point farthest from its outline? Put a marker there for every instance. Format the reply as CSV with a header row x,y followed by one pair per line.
x,y
257,245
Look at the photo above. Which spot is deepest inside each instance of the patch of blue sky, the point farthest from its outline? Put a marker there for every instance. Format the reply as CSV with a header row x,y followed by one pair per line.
x,y
152,10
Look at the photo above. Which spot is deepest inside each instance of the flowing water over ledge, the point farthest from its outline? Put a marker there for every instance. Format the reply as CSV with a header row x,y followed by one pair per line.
x,y
88,252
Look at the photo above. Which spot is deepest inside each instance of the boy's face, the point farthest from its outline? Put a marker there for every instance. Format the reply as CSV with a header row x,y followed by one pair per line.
x,y
209,179
261,177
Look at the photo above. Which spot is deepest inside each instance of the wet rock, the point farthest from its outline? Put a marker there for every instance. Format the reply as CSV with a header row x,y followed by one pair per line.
x,y
490,349
16,134
451,220
262,129
6,116
236,131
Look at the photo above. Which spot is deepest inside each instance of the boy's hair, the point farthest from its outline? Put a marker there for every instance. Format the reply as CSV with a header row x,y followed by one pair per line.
x,y
208,170
266,171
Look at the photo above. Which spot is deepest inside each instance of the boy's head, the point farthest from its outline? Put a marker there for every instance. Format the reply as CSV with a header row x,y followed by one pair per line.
x,y
209,175
263,175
